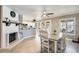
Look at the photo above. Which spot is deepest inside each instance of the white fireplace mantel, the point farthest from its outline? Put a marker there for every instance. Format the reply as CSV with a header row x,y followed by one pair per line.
x,y
6,30
9,45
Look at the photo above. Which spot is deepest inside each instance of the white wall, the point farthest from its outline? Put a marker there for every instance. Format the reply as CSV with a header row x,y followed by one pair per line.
x,y
28,20
8,29
12,27
28,17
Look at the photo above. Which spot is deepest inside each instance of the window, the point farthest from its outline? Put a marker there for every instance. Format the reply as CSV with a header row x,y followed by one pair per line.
x,y
68,26
63,26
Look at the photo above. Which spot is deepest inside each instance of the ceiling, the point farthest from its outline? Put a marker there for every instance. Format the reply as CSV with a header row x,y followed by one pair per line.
x,y
35,11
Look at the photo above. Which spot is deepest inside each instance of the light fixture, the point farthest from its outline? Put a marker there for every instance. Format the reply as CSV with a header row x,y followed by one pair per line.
x,y
34,20
45,13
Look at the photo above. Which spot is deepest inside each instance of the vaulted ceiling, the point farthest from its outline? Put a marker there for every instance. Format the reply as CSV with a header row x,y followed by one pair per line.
x,y
35,11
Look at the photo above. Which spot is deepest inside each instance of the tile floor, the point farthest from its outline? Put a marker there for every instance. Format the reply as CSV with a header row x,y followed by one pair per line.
x,y
71,47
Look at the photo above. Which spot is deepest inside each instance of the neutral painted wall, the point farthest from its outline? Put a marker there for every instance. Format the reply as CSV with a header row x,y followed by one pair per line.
x,y
56,24
5,29
0,26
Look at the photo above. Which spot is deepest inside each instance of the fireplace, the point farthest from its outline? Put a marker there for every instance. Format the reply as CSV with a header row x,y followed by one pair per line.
x,y
12,37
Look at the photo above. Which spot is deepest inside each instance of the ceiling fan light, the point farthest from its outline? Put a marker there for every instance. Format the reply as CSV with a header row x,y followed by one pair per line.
x,y
44,15
44,12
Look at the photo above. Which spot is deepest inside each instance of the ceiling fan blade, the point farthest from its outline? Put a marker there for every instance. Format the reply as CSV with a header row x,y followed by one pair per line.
x,y
49,13
46,14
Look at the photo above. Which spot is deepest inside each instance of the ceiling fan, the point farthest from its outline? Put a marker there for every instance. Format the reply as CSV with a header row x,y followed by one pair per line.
x,y
46,14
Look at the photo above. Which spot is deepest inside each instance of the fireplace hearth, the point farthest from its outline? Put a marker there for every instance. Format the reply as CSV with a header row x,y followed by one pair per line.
x,y
12,37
